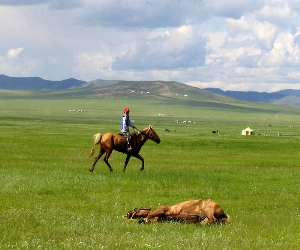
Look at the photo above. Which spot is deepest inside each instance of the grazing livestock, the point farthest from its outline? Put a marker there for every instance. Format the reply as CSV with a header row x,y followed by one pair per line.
x,y
110,141
203,212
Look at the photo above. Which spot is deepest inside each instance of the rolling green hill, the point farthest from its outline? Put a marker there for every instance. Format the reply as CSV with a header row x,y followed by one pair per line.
x,y
159,89
126,89
175,100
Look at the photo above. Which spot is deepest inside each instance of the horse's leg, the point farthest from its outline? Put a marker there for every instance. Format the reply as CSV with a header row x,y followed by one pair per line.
x,y
101,152
126,162
108,153
209,212
160,212
142,160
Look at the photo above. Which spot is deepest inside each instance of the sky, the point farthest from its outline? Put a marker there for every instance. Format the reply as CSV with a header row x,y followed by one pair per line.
x,y
244,45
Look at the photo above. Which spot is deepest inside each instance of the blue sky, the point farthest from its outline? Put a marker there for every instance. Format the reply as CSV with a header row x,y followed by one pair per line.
x,y
232,45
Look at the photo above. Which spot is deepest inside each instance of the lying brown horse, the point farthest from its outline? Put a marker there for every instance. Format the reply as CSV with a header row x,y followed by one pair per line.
x,y
203,212
110,141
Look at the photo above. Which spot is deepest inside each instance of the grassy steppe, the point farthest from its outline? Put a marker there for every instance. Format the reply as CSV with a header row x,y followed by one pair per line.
x,y
49,199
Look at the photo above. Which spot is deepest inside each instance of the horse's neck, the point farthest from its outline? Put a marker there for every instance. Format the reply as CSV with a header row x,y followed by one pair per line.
x,y
142,138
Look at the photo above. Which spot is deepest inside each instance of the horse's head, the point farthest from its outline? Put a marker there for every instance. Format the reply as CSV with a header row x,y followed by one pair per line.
x,y
151,134
138,213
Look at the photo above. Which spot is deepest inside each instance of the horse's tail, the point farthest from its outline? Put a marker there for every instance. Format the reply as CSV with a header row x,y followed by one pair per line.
x,y
97,139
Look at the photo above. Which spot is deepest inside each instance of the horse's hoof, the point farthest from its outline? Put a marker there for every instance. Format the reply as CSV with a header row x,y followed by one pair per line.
x,y
91,170
141,169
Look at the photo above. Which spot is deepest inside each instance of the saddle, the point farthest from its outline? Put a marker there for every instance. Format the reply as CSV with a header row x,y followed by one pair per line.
x,y
131,134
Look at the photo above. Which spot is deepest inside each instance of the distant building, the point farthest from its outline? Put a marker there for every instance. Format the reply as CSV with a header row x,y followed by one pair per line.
x,y
248,131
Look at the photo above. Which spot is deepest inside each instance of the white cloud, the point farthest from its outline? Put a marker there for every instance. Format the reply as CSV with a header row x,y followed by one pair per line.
x,y
265,33
216,40
183,47
231,44
278,13
14,53
241,25
93,65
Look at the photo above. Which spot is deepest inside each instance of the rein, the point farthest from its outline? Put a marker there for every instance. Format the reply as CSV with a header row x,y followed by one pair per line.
x,y
141,132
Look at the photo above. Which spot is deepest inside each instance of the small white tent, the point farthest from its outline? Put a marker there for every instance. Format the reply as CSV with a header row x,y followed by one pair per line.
x,y
248,131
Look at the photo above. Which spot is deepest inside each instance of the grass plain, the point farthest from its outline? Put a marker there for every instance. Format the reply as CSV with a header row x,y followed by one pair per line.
x,y
49,199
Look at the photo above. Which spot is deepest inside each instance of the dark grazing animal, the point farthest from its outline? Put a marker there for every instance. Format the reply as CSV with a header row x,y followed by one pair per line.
x,y
110,141
203,212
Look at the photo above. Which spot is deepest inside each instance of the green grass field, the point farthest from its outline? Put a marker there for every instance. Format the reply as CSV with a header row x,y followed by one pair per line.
x,y
49,199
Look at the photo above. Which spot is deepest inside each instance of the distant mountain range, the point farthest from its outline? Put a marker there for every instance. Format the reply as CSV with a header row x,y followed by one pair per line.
x,y
288,97
36,83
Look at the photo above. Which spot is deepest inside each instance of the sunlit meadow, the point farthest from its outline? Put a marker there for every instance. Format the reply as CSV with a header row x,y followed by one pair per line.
x,y
49,199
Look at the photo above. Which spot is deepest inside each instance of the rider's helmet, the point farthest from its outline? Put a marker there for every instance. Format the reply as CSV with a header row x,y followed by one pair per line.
x,y
126,110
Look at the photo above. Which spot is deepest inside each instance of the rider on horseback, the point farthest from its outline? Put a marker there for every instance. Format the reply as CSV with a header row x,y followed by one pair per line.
x,y
124,127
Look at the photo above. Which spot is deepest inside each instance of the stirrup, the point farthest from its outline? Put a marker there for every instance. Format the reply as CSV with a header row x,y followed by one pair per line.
x,y
128,148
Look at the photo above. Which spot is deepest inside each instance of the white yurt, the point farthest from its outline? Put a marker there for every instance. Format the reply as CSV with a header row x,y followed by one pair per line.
x,y
248,131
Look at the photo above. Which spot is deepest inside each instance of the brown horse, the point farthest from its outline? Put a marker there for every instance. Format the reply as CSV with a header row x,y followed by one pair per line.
x,y
203,212
110,141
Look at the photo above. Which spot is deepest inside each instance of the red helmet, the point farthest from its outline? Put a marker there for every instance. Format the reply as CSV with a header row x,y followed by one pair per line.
x,y
126,110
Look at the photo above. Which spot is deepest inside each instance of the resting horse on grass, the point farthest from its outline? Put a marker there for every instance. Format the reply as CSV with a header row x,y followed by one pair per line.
x,y
110,141
203,212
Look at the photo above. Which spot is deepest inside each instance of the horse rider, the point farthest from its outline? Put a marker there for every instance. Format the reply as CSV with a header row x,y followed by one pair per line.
x,y
124,126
